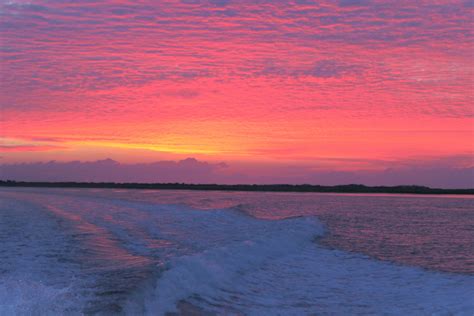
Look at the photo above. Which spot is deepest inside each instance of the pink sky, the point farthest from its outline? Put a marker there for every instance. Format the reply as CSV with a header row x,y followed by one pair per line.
x,y
279,91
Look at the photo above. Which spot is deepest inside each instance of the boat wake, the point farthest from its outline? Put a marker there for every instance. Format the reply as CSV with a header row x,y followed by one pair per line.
x,y
68,253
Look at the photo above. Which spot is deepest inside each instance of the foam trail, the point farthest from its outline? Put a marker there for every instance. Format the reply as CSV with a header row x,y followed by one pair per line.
x,y
279,270
212,269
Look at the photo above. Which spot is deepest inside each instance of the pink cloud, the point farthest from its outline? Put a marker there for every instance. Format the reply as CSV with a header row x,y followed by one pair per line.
x,y
369,81
27,148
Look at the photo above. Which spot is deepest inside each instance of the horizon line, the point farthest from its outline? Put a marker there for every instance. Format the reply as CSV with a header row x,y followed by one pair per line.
x,y
282,187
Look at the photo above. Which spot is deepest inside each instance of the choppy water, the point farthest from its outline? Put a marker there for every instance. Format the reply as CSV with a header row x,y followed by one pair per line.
x,y
147,252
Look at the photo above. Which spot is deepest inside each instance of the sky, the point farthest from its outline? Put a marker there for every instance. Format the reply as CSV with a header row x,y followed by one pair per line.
x,y
227,91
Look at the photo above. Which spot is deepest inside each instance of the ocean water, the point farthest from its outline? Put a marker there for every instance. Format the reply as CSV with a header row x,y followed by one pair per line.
x,y
139,252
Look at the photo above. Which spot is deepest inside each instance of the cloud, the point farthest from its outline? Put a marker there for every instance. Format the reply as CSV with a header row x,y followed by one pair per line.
x,y
182,93
23,148
188,170
332,69
230,73
352,3
469,3
10,145
220,3
324,68
435,174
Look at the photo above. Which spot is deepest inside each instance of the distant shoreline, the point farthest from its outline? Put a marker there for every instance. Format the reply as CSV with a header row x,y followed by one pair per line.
x,y
349,188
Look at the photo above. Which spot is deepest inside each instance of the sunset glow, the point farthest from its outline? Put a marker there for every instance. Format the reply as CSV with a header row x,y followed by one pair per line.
x,y
294,86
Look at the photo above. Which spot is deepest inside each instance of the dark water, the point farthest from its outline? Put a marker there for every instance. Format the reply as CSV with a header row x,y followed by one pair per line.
x,y
143,252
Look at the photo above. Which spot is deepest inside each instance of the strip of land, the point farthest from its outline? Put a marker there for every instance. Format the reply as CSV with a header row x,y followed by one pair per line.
x,y
349,188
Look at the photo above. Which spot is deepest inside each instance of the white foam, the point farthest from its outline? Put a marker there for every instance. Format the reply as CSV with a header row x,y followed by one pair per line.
x,y
280,270
26,297
213,269
33,279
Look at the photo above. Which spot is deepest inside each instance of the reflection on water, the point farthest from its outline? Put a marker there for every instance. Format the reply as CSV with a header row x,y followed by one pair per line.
x,y
95,249
435,232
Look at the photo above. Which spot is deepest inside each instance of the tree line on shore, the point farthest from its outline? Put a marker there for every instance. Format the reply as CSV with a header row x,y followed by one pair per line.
x,y
346,188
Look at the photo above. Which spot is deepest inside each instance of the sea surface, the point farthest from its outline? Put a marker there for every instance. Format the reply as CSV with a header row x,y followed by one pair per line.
x,y
146,252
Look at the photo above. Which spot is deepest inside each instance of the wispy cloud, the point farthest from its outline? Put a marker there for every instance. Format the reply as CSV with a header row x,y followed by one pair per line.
x,y
27,148
29,145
